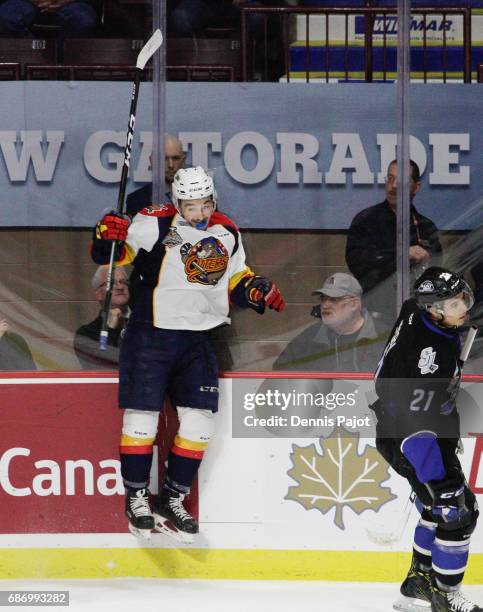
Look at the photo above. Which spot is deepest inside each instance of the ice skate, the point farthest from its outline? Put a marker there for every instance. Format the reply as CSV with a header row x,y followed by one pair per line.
x,y
454,601
415,592
172,518
138,512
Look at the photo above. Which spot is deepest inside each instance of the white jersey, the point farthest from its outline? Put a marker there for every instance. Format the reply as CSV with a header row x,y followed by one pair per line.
x,y
188,273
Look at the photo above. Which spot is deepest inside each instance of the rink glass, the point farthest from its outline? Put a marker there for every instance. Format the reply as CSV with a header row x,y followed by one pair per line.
x,y
293,164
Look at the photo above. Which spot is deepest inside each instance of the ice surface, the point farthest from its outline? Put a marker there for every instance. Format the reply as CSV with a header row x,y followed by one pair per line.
x,y
138,595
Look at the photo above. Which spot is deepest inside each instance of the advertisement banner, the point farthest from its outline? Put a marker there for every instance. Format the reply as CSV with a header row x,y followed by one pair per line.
x,y
301,156
59,460
60,471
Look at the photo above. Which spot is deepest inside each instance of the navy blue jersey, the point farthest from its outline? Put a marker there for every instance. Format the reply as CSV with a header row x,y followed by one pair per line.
x,y
417,381
418,376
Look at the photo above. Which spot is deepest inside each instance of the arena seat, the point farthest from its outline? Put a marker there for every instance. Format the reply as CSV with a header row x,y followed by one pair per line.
x,y
216,72
101,51
87,72
205,51
9,71
115,72
24,51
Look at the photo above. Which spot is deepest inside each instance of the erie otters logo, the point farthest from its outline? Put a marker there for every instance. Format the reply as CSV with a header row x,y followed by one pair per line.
x,y
204,262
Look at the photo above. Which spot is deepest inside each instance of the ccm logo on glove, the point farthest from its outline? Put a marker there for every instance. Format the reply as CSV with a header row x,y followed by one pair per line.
x,y
451,494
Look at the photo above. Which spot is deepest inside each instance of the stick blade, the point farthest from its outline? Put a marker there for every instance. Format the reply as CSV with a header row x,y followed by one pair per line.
x,y
382,537
149,49
465,351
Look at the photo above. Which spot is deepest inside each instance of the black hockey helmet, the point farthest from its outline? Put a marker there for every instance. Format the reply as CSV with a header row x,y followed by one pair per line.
x,y
435,285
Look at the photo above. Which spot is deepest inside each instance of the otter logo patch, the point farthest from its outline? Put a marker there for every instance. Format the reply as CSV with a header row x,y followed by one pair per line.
x,y
204,262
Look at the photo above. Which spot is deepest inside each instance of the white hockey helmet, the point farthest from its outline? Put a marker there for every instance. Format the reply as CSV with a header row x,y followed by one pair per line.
x,y
192,184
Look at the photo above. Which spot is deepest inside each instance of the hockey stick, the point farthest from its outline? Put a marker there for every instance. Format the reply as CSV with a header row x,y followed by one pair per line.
x,y
470,338
390,537
143,57
381,536
465,351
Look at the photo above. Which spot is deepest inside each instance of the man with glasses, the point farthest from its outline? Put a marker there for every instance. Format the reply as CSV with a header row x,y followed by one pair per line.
x,y
86,340
346,339
371,244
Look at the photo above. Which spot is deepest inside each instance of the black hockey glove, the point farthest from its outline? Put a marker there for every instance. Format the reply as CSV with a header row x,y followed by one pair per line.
x,y
261,292
448,499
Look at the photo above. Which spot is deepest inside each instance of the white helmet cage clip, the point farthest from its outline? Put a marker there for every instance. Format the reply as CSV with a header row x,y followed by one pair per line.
x,y
192,184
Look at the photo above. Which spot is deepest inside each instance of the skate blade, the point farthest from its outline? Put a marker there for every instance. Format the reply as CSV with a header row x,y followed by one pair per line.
x,y
163,526
411,604
143,534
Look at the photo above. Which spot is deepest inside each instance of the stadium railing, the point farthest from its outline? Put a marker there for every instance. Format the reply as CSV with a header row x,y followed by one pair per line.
x,y
354,55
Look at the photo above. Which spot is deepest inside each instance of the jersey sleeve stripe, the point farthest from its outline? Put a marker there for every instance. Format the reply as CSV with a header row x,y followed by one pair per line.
x,y
127,255
236,278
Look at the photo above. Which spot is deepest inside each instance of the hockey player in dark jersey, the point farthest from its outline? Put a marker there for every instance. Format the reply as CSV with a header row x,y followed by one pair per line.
x,y
192,264
417,382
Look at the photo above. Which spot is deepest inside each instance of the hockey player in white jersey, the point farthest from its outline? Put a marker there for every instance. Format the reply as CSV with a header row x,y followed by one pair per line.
x,y
192,264
417,383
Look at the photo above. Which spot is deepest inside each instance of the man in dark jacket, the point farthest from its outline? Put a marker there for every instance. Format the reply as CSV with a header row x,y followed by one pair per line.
x,y
347,338
371,244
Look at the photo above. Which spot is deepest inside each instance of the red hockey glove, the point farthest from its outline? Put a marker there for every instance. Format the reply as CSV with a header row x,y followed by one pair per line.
x,y
261,292
112,227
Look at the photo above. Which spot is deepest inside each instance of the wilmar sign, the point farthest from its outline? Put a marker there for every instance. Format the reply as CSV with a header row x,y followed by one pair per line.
x,y
59,460
298,156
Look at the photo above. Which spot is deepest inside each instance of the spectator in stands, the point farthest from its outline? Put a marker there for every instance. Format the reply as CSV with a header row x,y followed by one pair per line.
x,y
77,18
371,244
346,339
174,158
15,354
86,340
